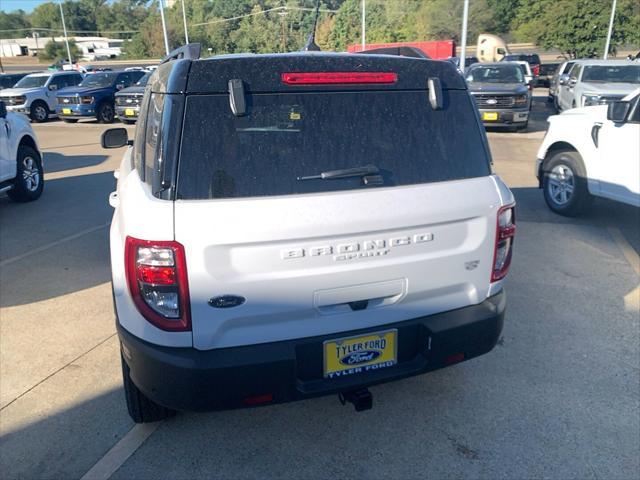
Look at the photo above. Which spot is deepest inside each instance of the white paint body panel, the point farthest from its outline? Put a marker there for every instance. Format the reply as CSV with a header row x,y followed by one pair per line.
x,y
236,247
13,129
138,214
439,241
613,168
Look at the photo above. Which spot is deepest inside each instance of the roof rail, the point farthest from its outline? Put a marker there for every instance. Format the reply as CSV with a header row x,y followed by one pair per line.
x,y
190,51
403,51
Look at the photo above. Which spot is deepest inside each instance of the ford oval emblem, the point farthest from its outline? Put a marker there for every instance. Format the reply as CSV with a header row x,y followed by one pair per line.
x,y
356,358
226,301
491,101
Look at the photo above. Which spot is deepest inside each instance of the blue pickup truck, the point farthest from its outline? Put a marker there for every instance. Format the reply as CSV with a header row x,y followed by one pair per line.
x,y
94,97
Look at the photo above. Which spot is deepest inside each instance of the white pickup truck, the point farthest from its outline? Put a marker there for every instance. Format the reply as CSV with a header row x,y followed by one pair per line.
x,y
592,152
21,173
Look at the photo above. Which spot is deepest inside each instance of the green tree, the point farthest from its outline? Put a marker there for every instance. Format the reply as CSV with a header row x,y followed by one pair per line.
x,y
13,21
578,28
54,51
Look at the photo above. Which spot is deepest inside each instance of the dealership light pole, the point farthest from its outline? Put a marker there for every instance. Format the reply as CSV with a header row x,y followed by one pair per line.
x,y
364,26
613,14
164,27
66,39
463,51
184,20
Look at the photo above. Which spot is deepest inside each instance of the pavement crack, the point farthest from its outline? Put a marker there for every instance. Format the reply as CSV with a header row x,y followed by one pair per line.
x,y
58,371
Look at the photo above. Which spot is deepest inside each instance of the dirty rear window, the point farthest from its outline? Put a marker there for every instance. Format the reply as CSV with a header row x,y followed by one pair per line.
x,y
287,136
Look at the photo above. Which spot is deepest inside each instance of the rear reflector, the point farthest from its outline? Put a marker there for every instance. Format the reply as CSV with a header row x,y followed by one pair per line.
x,y
455,358
157,275
258,399
338,78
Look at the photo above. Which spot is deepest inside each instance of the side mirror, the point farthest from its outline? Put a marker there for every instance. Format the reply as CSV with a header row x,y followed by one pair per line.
x,y
617,111
573,81
53,87
3,110
114,138
563,79
501,51
120,86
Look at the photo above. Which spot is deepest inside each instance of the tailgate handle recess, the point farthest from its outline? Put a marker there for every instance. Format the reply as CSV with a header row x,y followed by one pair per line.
x,y
360,297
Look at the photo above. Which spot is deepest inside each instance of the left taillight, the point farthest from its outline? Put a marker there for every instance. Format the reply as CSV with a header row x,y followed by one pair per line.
x,y
505,233
157,280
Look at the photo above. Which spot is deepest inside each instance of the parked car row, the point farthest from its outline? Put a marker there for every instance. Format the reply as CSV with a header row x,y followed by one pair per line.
x,y
583,83
72,96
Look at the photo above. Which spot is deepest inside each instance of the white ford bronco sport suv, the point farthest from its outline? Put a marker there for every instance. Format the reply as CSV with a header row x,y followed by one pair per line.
x,y
21,173
293,225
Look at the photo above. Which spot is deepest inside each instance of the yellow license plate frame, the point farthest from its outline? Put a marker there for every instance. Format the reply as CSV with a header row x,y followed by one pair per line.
x,y
129,112
360,354
66,111
490,116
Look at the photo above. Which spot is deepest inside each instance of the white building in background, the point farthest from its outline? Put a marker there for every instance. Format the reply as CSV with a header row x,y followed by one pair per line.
x,y
93,48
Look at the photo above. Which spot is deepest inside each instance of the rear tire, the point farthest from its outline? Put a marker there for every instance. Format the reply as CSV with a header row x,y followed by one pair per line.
x,y
39,112
128,122
105,113
141,408
29,181
564,183
70,120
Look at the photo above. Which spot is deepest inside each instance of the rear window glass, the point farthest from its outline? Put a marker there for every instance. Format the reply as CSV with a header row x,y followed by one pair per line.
x,y
287,136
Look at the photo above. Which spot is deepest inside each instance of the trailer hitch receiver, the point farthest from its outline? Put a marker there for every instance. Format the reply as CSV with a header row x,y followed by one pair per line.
x,y
362,399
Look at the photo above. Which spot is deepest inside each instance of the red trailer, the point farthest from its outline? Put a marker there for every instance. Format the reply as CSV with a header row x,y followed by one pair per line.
x,y
438,49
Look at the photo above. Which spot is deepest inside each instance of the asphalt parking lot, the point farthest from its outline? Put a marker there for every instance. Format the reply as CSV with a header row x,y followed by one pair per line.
x,y
559,396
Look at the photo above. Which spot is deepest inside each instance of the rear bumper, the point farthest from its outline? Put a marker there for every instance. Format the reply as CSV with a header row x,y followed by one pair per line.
x,y
190,379
506,117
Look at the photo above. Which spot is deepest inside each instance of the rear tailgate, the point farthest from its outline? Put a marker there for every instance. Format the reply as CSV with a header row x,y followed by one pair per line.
x,y
411,251
314,256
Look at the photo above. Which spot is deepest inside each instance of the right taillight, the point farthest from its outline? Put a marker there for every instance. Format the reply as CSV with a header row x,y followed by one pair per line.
x,y
157,279
505,233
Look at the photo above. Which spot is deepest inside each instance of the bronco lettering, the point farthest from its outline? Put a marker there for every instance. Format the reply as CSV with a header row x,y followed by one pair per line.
x,y
354,250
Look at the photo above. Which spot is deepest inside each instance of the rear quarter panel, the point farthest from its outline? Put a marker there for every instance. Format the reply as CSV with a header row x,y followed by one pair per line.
x,y
138,214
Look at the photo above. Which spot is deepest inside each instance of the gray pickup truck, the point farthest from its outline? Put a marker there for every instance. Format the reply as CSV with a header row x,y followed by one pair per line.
x,y
501,94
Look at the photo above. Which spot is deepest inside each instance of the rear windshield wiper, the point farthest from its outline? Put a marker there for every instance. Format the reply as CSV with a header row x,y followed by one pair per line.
x,y
344,173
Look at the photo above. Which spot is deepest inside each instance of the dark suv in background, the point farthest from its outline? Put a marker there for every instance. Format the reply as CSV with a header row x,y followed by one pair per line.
x,y
94,97
128,101
533,59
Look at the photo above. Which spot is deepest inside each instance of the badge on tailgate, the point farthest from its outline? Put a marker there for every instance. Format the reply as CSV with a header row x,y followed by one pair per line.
x,y
356,250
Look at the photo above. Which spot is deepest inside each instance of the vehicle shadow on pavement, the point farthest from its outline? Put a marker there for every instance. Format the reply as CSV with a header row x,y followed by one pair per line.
x,y
58,244
603,213
59,162
65,444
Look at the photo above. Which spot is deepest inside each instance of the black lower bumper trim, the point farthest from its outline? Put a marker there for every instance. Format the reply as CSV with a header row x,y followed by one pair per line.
x,y
190,379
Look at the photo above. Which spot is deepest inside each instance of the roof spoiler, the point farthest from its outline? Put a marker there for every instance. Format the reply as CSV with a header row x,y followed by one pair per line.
x,y
190,51
399,51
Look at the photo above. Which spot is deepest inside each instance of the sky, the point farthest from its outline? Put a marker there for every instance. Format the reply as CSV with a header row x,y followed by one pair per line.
x,y
26,5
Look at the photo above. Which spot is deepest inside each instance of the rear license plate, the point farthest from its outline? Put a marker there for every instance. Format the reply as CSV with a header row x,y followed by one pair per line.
x,y
491,116
129,112
66,111
364,353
